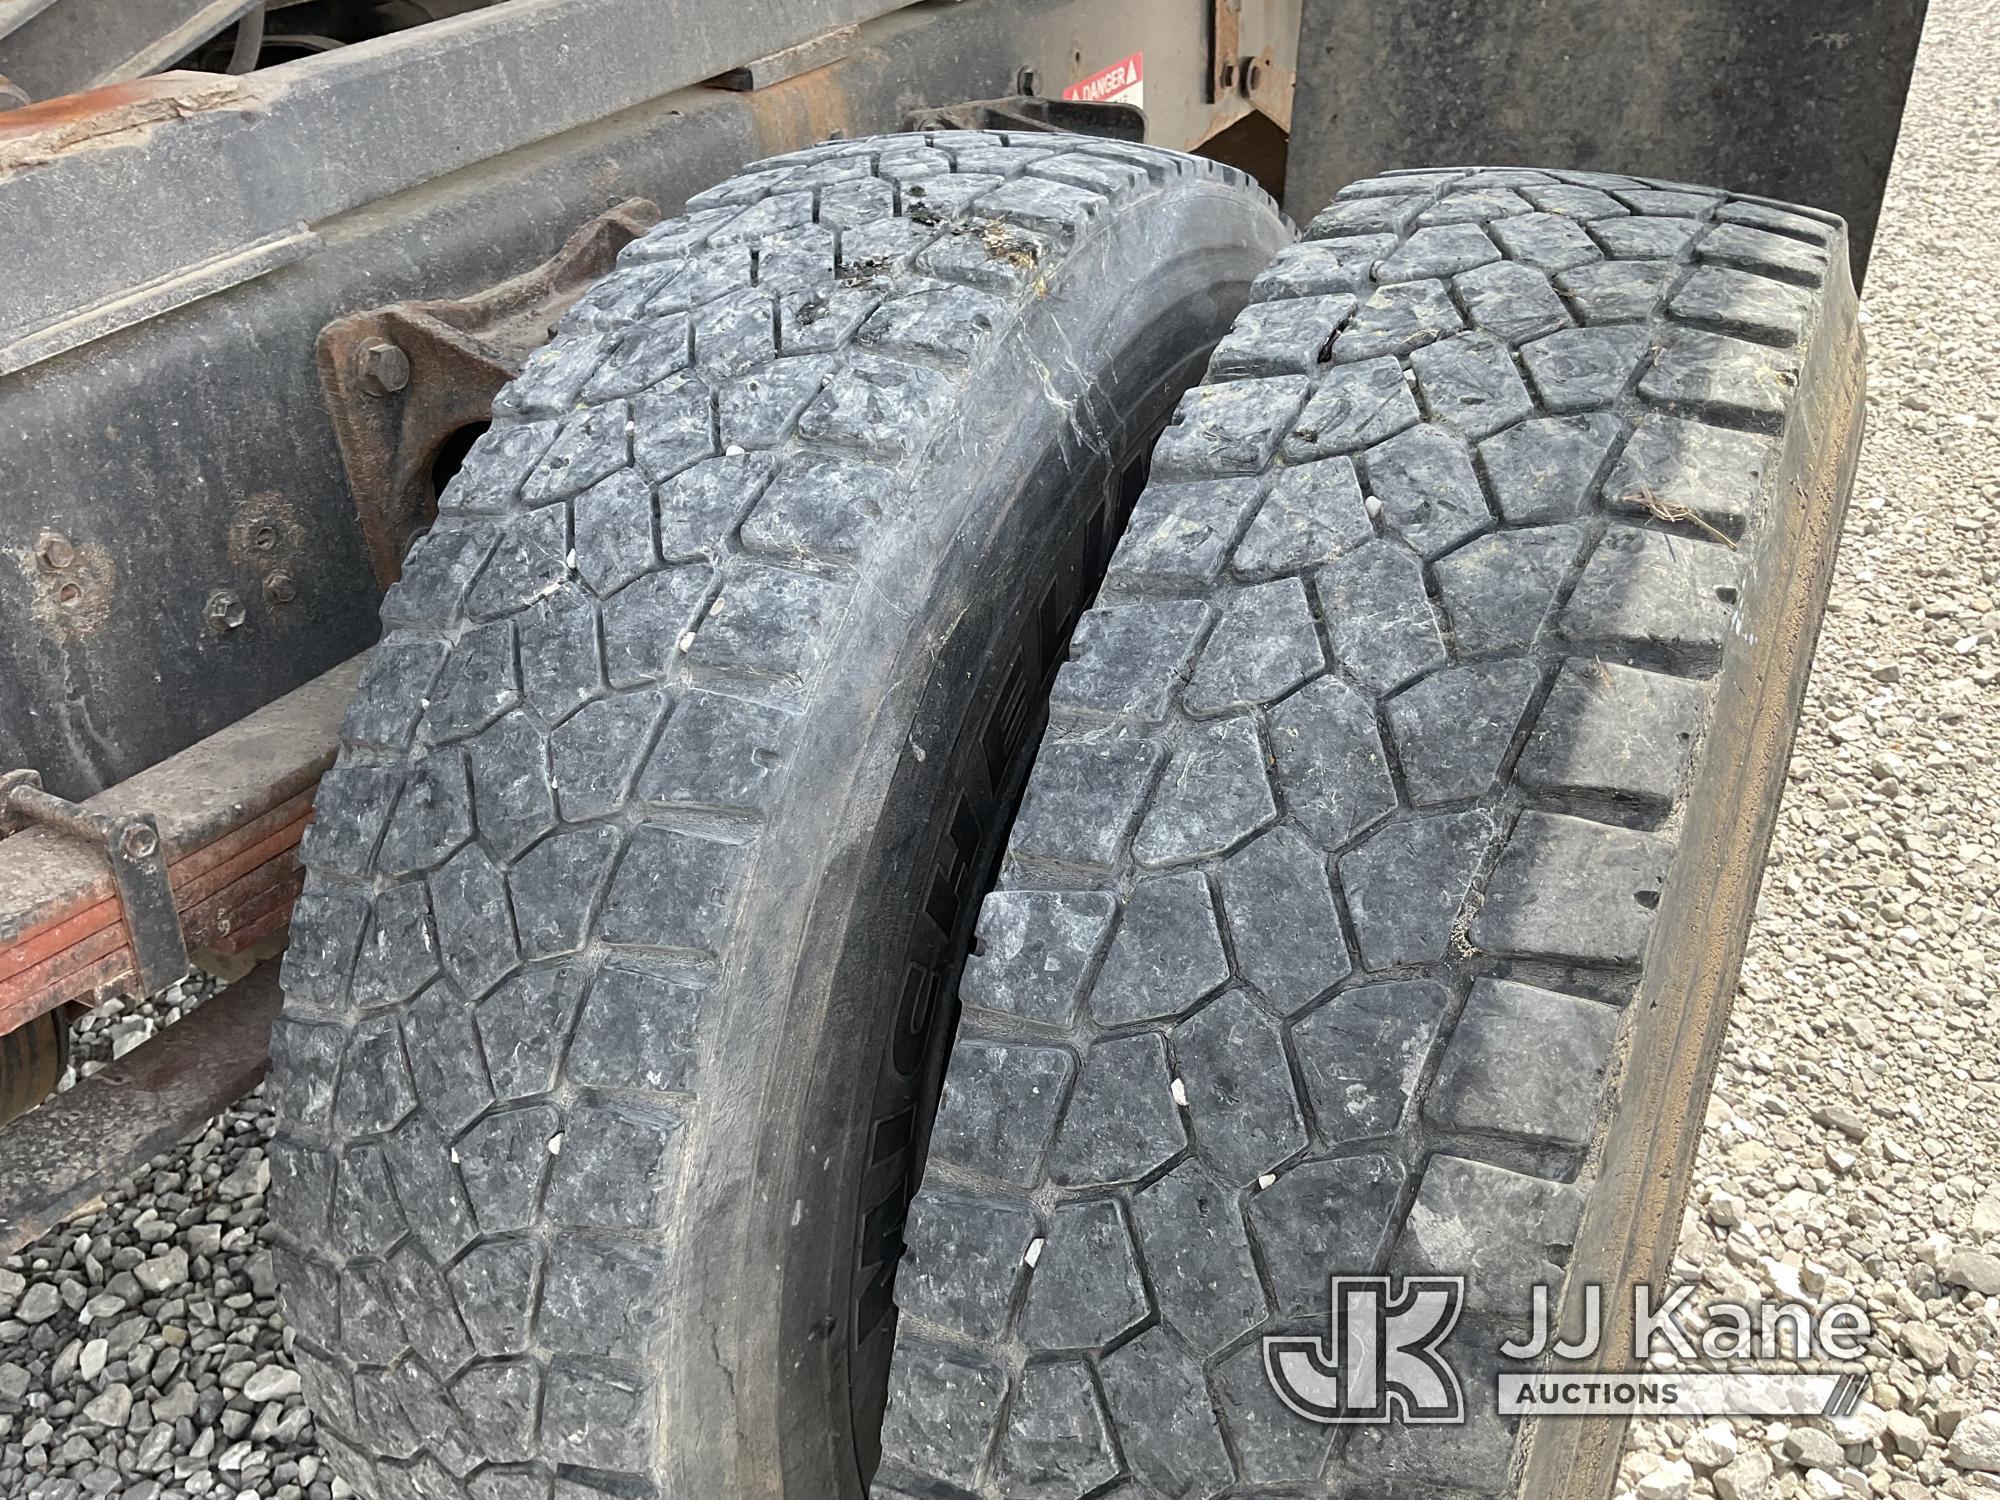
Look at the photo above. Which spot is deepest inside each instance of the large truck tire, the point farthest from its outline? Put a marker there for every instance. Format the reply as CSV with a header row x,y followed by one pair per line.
x,y
1378,893
616,995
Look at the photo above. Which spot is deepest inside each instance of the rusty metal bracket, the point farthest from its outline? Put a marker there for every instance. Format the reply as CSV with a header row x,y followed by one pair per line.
x,y
1118,122
402,381
131,842
1225,30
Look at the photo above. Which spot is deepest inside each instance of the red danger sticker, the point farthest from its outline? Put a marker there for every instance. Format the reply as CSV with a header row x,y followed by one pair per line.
x,y
1124,82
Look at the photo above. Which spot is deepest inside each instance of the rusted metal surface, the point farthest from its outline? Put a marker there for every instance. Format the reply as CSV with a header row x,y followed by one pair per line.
x,y
230,812
130,845
117,115
1269,81
330,133
59,1158
1225,27
401,380
146,445
1253,48
32,1058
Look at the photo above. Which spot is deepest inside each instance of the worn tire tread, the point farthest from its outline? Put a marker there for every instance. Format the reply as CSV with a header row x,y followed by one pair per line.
x,y
524,873
1315,942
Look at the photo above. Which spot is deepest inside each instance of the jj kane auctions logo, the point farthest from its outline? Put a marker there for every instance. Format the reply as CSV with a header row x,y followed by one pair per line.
x,y
1383,1360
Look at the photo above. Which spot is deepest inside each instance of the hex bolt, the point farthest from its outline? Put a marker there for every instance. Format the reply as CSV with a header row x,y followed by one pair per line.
x,y
281,588
138,841
224,611
57,552
385,369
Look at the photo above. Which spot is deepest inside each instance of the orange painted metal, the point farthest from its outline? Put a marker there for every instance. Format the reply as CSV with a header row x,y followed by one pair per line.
x,y
231,811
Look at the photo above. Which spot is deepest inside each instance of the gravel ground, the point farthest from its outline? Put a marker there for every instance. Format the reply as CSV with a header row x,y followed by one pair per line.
x,y
1853,1146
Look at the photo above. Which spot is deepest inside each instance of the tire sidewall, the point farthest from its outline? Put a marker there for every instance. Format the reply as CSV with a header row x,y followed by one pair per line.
x,y
768,1218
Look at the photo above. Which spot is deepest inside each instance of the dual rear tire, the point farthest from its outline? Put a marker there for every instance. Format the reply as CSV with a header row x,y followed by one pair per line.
x,y
1374,903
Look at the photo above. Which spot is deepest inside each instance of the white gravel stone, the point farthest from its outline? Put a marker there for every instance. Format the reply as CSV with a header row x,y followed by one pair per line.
x,y
1906,1433
1748,1477
1710,1448
113,1407
39,1303
271,1383
123,1323
1671,1481
162,1272
1976,1443
1860,1428
1975,1270
1810,1448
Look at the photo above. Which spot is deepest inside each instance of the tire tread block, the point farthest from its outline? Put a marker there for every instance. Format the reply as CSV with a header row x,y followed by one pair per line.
x,y
1559,509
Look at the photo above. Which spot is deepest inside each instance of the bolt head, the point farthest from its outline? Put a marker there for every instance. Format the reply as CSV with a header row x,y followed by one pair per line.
x,y
385,369
57,552
281,588
138,841
224,610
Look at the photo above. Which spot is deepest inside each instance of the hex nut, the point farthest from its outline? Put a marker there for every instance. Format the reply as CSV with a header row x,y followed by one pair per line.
x,y
385,369
224,611
138,841
57,552
281,588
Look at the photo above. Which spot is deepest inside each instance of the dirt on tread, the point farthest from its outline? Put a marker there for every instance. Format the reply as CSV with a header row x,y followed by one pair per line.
x,y
1362,819
528,862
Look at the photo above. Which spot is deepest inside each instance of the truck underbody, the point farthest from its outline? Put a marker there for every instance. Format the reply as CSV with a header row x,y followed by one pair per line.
x,y
261,303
